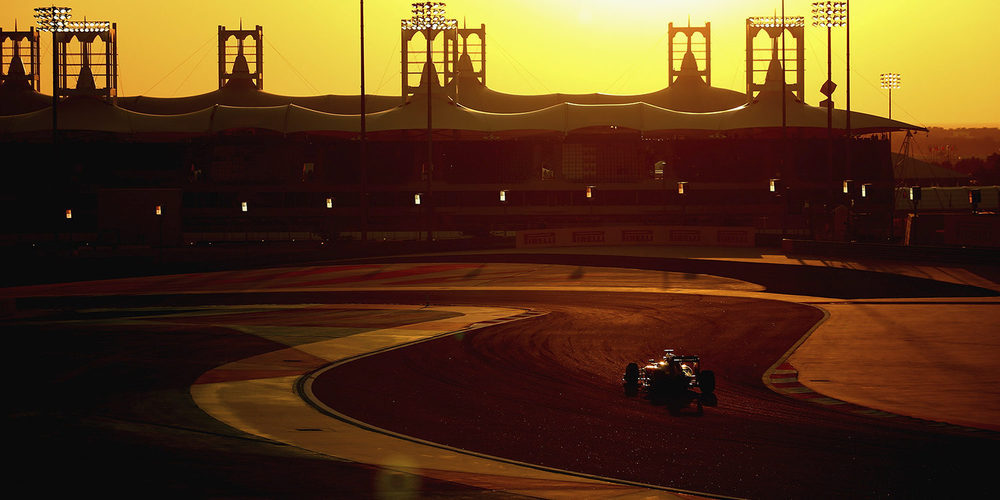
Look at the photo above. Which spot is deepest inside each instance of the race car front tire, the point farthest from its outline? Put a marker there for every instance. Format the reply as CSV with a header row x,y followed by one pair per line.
x,y
706,381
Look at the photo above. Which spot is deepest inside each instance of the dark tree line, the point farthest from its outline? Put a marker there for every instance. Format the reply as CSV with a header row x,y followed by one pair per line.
x,y
984,171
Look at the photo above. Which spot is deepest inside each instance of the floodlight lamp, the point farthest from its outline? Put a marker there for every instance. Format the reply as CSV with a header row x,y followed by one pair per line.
x,y
85,27
416,198
69,214
829,14
889,80
777,22
428,15
46,14
329,203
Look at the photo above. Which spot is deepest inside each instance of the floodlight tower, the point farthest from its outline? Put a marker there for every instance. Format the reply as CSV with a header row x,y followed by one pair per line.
x,y
53,19
889,81
829,15
429,18
847,76
363,153
57,20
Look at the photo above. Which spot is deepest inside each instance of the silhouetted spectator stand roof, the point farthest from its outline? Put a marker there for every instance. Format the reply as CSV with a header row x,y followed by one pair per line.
x,y
688,93
241,91
237,93
89,114
763,115
249,109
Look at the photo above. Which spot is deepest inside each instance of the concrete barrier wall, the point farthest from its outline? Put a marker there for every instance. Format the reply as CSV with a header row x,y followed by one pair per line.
x,y
638,235
972,230
882,251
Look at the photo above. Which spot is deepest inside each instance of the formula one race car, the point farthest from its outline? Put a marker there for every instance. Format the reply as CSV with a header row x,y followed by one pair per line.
x,y
672,380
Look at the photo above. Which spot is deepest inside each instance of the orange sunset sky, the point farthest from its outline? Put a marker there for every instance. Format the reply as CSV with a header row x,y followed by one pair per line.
x,y
946,52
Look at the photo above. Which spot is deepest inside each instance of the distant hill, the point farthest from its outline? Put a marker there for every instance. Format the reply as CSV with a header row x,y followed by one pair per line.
x,y
950,145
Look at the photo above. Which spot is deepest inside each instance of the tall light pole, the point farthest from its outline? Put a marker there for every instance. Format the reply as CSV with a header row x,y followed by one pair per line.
x,y
55,20
429,17
889,81
847,118
829,15
784,105
364,138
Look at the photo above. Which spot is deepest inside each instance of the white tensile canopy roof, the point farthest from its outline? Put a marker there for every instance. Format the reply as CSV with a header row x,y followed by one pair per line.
x,y
85,114
761,116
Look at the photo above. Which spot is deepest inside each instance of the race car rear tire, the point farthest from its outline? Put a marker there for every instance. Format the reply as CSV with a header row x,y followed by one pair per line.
x,y
632,374
706,381
631,379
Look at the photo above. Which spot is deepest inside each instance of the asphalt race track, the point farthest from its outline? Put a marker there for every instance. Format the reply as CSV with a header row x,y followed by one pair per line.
x,y
100,401
96,408
547,391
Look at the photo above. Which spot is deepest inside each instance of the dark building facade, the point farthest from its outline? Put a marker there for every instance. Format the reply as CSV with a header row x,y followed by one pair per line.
x,y
241,164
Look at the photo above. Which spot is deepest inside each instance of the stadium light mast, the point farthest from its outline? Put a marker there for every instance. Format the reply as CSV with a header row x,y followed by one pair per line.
x,y
429,18
57,20
364,134
829,15
54,19
889,81
847,76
